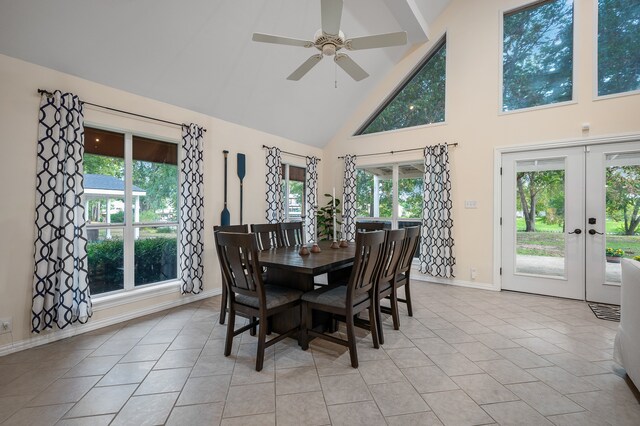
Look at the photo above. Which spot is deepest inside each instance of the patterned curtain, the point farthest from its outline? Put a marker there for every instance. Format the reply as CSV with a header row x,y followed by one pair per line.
x,y
61,293
311,202
191,210
275,206
349,198
436,251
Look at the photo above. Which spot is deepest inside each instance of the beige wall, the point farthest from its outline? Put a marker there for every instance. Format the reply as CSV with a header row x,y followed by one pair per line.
x,y
473,120
18,120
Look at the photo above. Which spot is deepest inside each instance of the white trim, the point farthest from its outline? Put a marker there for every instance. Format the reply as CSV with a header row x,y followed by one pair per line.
x,y
123,297
418,276
404,129
565,143
74,330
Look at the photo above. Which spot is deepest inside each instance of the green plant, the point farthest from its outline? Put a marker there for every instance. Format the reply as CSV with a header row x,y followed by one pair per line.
x,y
611,252
325,218
636,258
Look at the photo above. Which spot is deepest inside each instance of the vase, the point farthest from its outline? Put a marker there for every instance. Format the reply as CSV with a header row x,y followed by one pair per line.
x,y
613,259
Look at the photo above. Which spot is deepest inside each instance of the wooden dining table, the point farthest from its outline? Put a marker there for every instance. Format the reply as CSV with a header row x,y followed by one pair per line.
x,y
286,267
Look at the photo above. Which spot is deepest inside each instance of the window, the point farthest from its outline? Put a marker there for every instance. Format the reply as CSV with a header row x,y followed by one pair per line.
x,y
293,186
131,204
376,189
618,46
537,56
419,100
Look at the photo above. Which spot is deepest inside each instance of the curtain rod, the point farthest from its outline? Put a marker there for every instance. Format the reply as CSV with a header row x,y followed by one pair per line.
x,y
290,153
48,93
395,152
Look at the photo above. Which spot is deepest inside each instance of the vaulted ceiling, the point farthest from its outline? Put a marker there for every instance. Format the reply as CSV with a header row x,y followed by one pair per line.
x,y
198,54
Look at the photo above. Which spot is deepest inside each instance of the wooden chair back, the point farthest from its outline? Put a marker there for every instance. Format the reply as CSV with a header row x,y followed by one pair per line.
x,y
411,240
267,235
240,264
393,252
367,263
232,228
369,226
291,233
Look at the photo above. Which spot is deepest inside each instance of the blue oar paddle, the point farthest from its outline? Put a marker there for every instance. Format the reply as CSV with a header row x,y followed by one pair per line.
x,y
225,216
241,174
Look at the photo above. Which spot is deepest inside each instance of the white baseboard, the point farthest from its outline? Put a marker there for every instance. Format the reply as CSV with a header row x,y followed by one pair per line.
x,y
74,330
418,276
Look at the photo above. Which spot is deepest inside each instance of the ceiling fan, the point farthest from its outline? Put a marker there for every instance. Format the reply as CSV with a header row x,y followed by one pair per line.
x,y
329,40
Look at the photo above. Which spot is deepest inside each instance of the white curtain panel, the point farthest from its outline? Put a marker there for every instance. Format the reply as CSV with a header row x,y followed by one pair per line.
x,y
273,179
311,198
349,198
61,293
191,210
436,251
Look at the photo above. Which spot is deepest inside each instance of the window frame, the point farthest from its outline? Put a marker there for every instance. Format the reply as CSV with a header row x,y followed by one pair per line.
x,y
128,226
596,62
285,191
575,55
433,50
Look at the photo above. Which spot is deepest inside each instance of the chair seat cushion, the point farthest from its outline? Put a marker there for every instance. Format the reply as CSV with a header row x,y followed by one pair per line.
x,y
332,296
276,296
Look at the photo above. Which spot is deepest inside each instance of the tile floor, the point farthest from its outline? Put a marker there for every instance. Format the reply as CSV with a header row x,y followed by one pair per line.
x,y
467,357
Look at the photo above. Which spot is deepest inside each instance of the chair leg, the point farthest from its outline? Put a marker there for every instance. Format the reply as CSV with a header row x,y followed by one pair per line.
x,y
394,309
303,339
223,304
262,337
407,297
253,328
351,339
231,323
373,324
378,312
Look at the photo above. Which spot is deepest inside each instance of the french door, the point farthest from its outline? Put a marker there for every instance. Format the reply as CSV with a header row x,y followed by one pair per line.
x,y
563,211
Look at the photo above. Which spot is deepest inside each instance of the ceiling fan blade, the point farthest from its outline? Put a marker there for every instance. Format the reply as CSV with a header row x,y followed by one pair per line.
x,y
379,40
350,67
305,67
267,38
331,16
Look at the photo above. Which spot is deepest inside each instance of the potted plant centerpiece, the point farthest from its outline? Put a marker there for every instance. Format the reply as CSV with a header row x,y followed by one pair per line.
x,y
614,255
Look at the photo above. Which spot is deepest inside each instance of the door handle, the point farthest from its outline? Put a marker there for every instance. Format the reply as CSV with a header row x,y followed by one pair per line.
x,y
594,232
576,231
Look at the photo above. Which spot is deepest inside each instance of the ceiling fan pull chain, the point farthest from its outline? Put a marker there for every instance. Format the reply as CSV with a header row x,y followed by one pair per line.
x,y
335,65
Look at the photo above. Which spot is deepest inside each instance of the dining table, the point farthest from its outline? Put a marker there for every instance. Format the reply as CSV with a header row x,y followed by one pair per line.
x,y
286,267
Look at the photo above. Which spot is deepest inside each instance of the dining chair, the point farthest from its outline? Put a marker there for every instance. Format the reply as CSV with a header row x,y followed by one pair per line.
x,y
268,235
393,251
403,277
345,302
291,233
228,228
248,294
369,226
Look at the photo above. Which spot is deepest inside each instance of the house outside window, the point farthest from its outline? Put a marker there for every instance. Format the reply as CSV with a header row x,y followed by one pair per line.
x,y
293,190
131,205
537,55
418,100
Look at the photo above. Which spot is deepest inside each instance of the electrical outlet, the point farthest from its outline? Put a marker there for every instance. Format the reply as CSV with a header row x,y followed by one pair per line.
x,y
474,273
5,325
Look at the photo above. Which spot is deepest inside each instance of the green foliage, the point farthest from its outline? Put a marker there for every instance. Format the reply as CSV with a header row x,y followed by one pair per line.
x,y
160,181
538,55
155,260
325,219
623,196
618,46
536,190
102,165
420,102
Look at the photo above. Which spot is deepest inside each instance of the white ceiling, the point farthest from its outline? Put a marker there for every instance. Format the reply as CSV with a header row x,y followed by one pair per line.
x,y
198,54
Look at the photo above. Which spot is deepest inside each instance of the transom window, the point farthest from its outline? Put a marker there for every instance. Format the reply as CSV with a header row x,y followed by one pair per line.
x,y
131,205
618,46
419,100
537,56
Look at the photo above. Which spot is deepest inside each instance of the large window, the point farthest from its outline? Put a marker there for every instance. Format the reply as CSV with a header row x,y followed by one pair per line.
x,y
293,187
537,56
131,200
618,46
390,193
419,100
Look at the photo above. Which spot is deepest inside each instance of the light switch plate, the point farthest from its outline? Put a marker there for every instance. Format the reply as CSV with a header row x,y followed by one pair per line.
x,y
470,204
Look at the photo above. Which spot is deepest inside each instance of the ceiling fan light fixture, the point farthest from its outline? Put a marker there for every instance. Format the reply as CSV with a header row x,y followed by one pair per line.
x,y
329,49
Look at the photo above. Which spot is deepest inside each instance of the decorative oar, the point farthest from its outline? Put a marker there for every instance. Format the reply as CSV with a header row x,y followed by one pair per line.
x,y
241,174
225,216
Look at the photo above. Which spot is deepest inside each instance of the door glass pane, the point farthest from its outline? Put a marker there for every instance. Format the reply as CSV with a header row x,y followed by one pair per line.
x,y
622,211
540,207
374,191
410,190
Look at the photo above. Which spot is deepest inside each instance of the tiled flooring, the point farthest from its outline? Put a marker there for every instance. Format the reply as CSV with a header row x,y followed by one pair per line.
x,y
467,357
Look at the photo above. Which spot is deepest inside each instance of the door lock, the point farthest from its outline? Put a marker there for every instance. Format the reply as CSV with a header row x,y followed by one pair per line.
x,y
576,231
594,232
592,221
